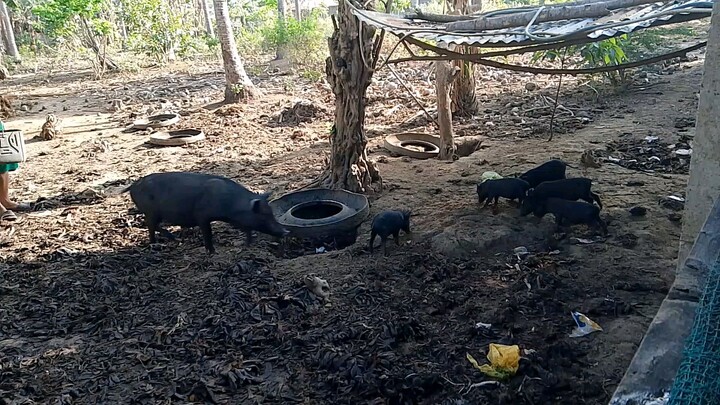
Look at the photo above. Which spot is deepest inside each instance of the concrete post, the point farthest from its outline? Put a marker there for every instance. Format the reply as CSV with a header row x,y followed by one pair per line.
x,y
704,184
653,368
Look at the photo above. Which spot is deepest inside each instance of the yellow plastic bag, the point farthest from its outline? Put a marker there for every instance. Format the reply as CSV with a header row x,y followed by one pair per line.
x,y
504,361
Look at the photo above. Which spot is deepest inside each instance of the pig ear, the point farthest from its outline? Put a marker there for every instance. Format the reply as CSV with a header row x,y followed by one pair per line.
x,y
255,205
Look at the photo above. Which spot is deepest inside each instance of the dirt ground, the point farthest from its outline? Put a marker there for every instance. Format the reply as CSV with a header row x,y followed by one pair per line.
x,y
90,313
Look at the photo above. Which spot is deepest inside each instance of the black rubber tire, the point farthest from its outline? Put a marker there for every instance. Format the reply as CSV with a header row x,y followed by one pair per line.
x,y
354,209
176,138
156,121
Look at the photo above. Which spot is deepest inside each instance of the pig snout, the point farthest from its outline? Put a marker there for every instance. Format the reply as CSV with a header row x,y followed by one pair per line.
x,y
272,227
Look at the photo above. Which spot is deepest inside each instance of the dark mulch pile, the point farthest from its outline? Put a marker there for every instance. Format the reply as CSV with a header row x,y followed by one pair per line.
x,y
648,154
136,326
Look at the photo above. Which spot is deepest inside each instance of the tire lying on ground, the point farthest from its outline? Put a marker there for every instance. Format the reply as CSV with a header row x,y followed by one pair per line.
x,y
316,213
156,121
414,145
176,138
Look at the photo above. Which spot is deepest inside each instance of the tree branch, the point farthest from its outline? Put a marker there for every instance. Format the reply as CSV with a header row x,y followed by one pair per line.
x,y
480,60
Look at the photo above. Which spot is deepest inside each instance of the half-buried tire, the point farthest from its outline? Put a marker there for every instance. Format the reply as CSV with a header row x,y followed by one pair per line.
x,y
176,138
156,121
414,145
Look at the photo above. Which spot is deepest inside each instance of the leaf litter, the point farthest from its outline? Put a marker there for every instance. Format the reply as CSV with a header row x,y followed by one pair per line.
x,y
92,314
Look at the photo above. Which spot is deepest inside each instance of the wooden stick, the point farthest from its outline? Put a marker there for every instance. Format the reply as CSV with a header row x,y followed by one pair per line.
x,y
557,98
402,83
446,74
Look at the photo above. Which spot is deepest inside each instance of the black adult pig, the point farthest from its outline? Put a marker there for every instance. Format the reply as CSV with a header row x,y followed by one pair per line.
x,y
195,199
572,189
548,171
571,212
493,189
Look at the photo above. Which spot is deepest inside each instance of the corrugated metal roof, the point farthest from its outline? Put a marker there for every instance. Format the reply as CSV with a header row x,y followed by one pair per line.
x,y
400,25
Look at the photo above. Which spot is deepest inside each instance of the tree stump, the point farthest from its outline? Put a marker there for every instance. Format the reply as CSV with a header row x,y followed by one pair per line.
x,y
349,71
446,74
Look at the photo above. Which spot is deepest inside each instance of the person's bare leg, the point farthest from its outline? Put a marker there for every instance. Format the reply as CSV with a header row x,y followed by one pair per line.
x,y
4,192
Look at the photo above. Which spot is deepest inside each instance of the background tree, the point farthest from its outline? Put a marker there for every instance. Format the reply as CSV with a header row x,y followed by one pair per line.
x,y
281,52
462,93
4,73
81,19
238,85
158,28
207,19
349,71
120,17
7,32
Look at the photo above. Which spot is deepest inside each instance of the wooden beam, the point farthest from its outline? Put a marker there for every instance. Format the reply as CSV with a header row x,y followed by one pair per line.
x,y
590,10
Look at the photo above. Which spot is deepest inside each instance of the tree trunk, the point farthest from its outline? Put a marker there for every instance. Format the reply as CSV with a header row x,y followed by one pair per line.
x,y
281,51
554,13
120,11
90,41
297,10
349,72
462,94
298,15
7,31
208,21
3,46
445,74
238,85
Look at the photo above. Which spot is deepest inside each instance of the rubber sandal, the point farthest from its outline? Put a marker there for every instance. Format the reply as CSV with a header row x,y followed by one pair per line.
x,y
23,207
8,216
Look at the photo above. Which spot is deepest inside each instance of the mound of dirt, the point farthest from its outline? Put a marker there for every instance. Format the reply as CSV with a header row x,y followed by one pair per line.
x,y
230,111
300,111
471,236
